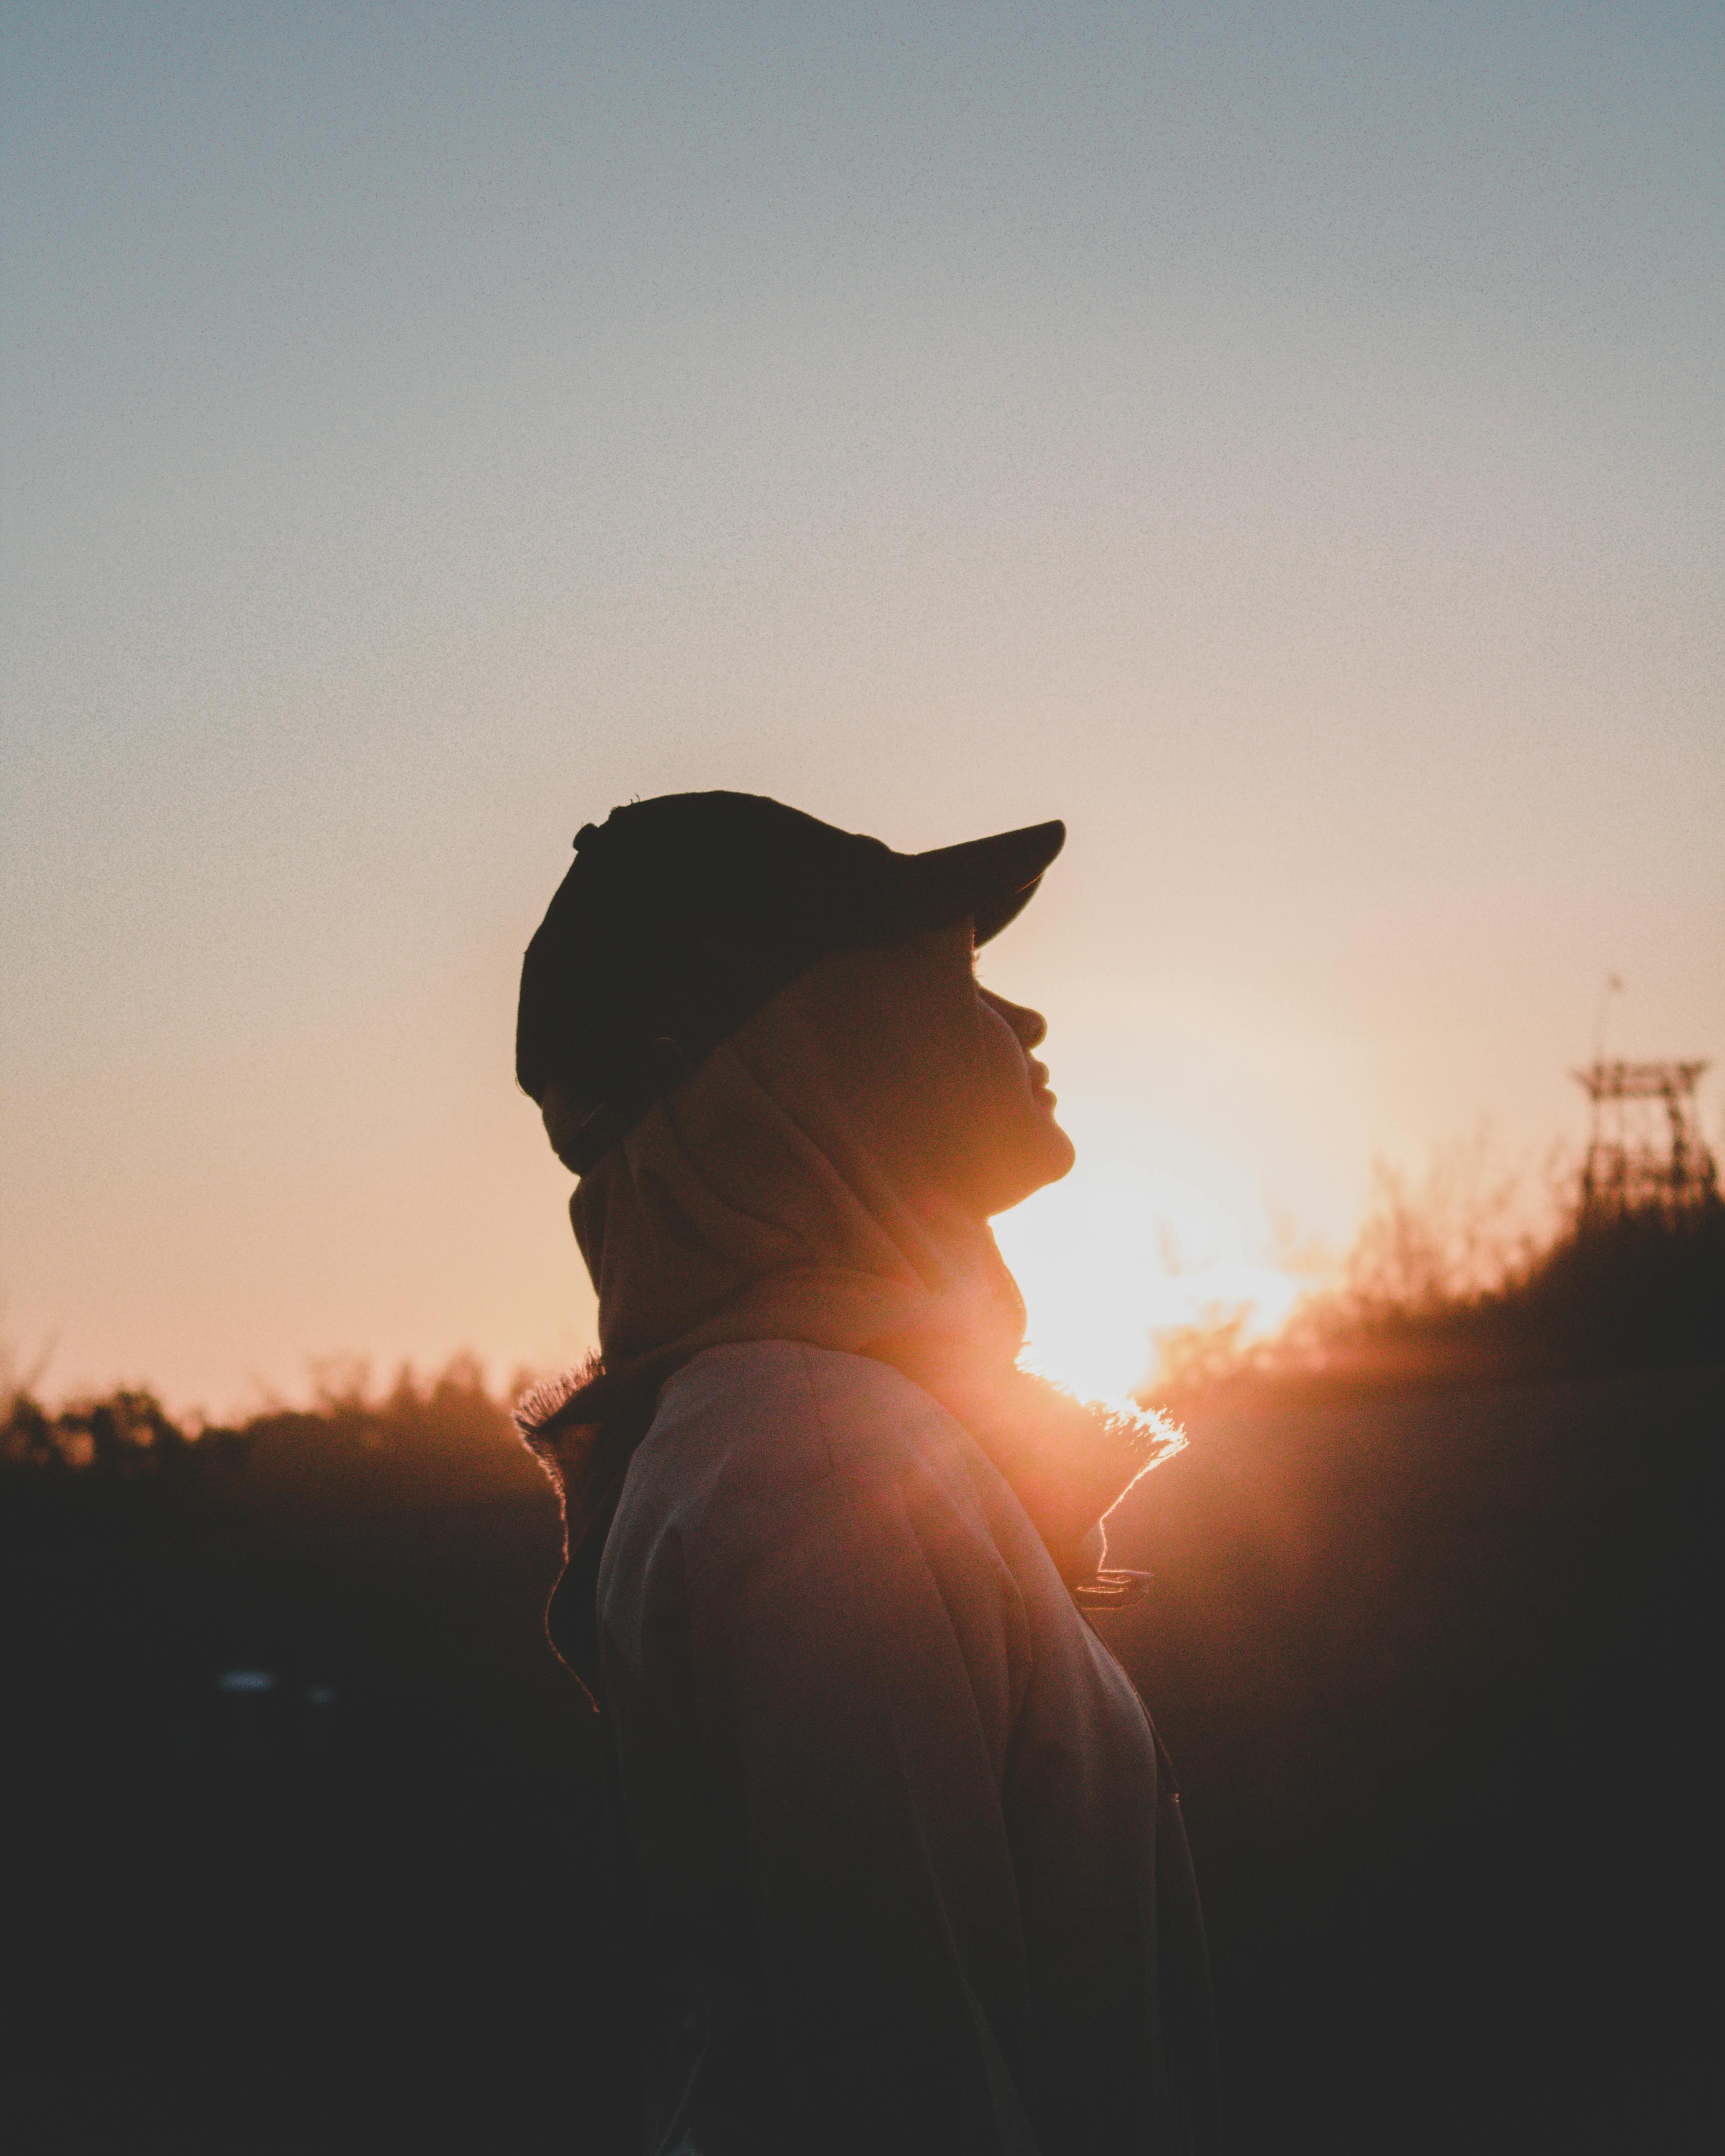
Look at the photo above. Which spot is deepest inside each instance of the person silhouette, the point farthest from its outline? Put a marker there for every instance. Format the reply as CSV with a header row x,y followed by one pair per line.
x,y
898,1859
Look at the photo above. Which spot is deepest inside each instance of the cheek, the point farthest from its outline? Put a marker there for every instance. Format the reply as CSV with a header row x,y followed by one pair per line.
x,y
1007,1065
1030,1147
1027,1147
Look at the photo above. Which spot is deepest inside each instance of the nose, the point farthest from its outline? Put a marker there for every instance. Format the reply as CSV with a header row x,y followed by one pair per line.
x,y
1030,1026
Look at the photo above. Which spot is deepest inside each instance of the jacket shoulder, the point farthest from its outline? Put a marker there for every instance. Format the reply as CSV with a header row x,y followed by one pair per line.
x,y
821,1488
773,1414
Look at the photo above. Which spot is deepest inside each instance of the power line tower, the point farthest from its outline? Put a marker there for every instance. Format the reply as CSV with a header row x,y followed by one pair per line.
x,y
1638,1160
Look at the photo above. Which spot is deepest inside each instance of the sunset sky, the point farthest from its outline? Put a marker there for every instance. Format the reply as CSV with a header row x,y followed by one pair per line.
x,y
1284,441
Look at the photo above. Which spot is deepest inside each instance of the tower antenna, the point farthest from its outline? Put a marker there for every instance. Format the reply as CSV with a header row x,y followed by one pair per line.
x,y
1613,987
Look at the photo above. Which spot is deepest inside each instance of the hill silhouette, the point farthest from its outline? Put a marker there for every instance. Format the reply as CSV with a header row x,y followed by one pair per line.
x,y
1643,1288
309,1822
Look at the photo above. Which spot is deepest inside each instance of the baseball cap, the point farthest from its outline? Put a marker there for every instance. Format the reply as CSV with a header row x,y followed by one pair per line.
x,y
682,916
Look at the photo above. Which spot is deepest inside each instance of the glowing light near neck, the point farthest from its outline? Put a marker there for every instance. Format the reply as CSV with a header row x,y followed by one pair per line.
x,y
1134,1243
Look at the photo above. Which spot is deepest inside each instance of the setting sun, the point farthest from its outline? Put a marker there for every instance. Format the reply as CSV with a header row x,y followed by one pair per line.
x,y
1152,1231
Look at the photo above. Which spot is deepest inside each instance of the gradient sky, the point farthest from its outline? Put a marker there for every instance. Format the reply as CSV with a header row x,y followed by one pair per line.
x,y
1284,441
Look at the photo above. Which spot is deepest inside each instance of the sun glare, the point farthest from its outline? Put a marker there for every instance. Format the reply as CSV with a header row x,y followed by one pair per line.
x,y
1128,1247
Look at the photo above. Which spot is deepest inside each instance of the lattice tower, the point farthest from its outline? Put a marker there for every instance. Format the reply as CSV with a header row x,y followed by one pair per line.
x,y
1645,1147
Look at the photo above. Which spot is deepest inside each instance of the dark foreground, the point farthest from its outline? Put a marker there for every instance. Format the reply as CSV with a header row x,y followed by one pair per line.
x,y
1432,1670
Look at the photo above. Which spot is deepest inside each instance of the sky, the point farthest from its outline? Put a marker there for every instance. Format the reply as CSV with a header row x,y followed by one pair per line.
x,y
1285,443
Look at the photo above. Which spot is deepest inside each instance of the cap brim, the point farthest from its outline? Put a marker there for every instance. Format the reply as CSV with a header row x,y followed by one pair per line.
x,y
992,879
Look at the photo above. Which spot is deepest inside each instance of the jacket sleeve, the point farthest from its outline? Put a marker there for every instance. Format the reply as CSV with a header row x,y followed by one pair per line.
x,y
861,1647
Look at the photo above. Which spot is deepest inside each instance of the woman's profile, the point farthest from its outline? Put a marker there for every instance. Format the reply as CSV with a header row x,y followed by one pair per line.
x,y
905,1868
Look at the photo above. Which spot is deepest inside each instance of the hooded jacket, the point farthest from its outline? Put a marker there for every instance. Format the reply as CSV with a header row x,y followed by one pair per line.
x,y
915,1864
908,1862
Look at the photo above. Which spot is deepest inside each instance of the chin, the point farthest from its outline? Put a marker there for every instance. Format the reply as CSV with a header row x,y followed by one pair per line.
x,y
1042,1155
1061,1153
